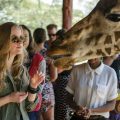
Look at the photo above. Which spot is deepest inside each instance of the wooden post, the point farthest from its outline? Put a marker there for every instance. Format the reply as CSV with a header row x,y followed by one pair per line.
x,y
67,13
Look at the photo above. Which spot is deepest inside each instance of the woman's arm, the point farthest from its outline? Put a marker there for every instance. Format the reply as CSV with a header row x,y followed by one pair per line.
x,y
35,81
33,100
4,100
15,97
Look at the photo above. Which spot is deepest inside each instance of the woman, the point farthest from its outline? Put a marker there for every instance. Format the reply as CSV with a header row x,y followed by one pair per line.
x,y
17,91
31,62
37,63
47,107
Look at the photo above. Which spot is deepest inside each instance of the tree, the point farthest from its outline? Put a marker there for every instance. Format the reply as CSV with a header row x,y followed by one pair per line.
x,y
35,13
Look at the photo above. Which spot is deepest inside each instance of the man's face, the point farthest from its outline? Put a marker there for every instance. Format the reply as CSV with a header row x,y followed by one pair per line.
x,y
94,63
52,34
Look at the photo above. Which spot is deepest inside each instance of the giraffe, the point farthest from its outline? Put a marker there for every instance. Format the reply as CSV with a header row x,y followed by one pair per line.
x,y
96,35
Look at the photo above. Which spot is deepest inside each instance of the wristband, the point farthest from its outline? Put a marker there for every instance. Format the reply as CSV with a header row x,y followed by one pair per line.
x,y
33,90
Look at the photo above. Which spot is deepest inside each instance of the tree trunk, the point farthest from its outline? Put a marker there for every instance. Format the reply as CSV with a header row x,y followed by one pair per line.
x,y
67,14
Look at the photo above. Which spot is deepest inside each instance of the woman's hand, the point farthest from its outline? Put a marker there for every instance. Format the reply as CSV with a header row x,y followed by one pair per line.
x,y
37,79
18,97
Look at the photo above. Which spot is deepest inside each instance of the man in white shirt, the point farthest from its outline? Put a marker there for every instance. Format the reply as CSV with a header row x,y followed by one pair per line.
x,y
92,90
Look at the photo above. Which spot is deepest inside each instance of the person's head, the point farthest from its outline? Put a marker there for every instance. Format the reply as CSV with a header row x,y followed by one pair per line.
x,y
94,63
28,42
108,60
60,33
51,30
11,45
39,36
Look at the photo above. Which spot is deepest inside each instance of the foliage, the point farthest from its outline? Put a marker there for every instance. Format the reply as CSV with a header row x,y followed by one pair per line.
x,y
34,13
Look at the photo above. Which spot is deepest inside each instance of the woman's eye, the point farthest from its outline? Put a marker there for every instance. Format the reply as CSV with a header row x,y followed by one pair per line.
x,y
14,39
26,36
22,38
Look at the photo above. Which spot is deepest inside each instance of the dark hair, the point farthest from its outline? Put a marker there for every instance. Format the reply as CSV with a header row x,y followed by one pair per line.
x,y
51,26
39,35
30,46
60,33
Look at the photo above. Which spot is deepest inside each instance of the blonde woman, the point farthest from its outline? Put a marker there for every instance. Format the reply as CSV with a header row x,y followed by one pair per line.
x,y
17,90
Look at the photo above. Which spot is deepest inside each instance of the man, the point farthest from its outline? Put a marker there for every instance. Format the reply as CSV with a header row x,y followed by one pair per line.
x,y
92,90
51,30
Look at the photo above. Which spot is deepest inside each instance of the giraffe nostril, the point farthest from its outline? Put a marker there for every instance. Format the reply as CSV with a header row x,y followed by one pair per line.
x,y
113,17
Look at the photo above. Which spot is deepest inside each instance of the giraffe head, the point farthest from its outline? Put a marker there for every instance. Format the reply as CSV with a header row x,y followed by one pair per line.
x,y
86,39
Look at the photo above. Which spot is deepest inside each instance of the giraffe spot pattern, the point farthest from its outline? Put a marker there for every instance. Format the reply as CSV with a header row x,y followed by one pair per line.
x,y
100,52
88,41
78,31
89,53
117,48
97,38
108,40
117,35
87,27
108,50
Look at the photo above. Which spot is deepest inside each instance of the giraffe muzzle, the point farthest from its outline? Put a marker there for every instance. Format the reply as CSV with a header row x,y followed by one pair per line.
x,y
55,57
114,17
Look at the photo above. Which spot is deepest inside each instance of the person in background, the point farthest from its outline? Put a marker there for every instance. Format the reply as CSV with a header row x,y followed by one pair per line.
x,y
92,90
116,66
38,63
51,30
61,107
114,62
28,44
47,107
18,93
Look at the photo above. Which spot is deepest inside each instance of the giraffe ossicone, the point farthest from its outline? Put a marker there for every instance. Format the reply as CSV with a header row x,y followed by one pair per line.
x,y
96,35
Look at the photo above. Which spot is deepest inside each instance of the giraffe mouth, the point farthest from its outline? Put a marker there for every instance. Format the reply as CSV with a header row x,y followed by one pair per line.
x,y
115,17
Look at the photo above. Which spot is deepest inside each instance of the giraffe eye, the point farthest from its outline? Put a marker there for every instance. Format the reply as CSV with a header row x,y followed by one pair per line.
x,y
114,17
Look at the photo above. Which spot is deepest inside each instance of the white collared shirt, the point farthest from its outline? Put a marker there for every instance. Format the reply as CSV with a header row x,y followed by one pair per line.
x,y
93,88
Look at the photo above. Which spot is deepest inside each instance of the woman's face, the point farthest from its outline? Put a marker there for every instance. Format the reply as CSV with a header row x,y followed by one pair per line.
x,y
26,36
17,39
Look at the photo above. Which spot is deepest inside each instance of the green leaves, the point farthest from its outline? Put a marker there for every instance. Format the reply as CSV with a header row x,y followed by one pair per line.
x,y
36,13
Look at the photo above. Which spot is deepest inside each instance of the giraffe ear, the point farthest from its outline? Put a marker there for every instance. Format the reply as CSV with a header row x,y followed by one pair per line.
x,y
113,17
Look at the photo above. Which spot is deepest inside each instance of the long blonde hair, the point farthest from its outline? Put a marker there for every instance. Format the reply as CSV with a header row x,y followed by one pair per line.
x,y
5,32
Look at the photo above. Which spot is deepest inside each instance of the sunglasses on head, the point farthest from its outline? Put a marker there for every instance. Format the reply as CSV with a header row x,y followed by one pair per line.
x,y
51,35
16,39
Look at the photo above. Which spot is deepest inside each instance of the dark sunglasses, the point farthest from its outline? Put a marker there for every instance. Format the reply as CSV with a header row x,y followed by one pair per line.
x,y
51,35
16,39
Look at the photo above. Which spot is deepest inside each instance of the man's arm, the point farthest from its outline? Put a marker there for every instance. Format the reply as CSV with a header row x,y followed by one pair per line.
x,y
109,106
